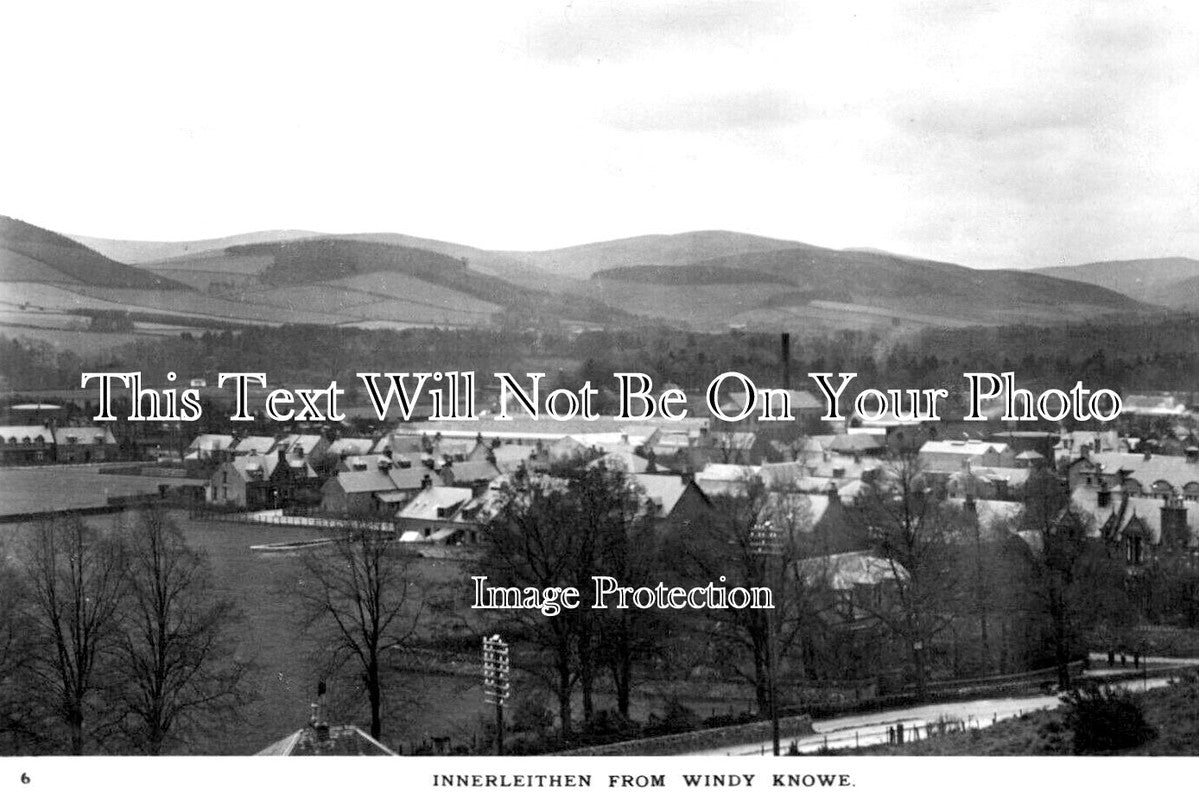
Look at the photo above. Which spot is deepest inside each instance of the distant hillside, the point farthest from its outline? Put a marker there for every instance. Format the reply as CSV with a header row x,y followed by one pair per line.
x,y
581,261
1182,294
1166,281
136,252
693,274
313,260
850,289
30,253
879,275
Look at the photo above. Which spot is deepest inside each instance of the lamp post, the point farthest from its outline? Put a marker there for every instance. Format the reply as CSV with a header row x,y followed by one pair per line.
x,y
764,541
496,670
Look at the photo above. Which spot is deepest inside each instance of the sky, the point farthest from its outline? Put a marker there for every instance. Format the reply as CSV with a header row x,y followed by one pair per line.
x,y
991,134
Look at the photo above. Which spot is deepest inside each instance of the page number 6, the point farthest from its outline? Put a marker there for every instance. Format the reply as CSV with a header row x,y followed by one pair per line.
x,y
24,777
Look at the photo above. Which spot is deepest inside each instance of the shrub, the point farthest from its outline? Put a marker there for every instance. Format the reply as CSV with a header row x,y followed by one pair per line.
x,y
531,714
1103,720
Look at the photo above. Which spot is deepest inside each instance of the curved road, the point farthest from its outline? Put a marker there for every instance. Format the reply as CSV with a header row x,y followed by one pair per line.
x,y
854,730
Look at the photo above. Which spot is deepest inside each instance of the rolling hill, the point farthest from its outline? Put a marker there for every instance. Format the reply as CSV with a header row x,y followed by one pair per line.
x,y
658,249
862,285
1166,281
30,253
703,280
137,252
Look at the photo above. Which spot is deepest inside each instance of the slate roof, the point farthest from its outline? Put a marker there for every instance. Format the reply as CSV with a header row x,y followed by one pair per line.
x,y
844,571
21,432
255,444
425,505
85,435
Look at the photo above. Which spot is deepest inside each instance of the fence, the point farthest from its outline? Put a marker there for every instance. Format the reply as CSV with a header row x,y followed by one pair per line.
x,y
278,517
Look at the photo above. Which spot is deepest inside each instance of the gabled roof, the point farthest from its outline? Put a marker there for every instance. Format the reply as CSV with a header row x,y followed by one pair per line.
x,y
85,435
425,505
665,490
211,442
1123,510
472,471
306,442
623,460
406,442
255,444
855,443
969,447
349,446
844,571
1014,477
1174,470
21,432
991,512
368,480
411,477
256,467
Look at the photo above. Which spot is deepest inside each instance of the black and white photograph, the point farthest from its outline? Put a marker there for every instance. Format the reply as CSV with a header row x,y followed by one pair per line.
x,y
674,385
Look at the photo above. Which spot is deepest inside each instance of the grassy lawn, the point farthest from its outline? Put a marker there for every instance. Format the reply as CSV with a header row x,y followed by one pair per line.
x,y
1172,711
419,705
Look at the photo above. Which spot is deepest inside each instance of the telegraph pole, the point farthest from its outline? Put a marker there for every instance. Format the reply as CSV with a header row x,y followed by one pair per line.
x,y
764,540
496,671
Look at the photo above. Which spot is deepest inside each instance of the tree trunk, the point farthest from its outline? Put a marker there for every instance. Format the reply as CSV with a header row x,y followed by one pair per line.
x,y
564,698
921,674
76,726
374,690
624,681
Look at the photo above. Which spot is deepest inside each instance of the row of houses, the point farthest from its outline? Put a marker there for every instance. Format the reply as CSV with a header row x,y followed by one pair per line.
x,y
55,444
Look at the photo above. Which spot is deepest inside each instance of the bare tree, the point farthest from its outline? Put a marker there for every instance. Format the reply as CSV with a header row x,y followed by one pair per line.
x,y
76,579
613,517
756,537
17,722
1081,584
361,601
532,542
913,530
176,667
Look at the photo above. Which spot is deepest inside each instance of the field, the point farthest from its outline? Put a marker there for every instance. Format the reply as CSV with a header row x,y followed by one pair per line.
x,y
61,486
285,675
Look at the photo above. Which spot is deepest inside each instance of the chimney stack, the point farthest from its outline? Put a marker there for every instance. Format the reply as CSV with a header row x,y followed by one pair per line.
x,y
785,347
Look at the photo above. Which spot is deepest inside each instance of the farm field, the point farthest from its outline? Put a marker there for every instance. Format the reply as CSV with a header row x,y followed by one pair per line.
x,y
60,487
199,304
83,343
700,306
407,287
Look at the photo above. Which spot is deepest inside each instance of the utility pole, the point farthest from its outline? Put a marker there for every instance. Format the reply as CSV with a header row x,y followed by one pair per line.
x,y
764,541
496,671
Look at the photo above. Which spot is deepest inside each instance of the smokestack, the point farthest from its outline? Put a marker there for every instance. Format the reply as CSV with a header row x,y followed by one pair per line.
x,y
785,348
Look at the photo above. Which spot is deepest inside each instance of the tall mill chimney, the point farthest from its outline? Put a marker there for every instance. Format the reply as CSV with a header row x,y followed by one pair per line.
x,y
785,354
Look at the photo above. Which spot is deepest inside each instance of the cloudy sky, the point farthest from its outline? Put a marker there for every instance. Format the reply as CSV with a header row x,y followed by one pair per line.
x,y
987,133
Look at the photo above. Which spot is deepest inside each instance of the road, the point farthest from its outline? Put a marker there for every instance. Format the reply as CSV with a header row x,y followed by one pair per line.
x,y
860,730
